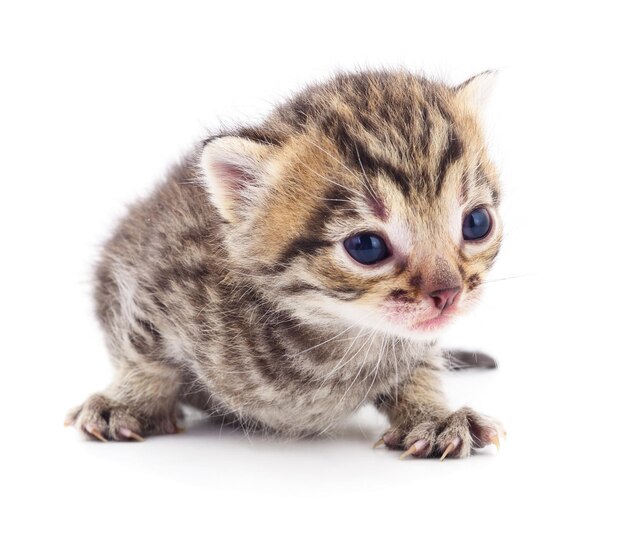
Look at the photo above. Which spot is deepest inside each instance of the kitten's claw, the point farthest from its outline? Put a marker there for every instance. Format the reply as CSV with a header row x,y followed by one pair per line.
x,y
129,434
408,452
95,433
378,443
451,446
416,449
495,440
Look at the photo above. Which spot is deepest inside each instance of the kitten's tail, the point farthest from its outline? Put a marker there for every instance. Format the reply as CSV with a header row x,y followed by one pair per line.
x,y
462,359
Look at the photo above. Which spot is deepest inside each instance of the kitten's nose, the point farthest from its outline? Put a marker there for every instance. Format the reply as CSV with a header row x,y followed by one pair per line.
x,y
444,297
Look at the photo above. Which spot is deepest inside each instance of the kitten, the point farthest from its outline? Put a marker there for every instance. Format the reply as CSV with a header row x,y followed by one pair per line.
x,y
288,273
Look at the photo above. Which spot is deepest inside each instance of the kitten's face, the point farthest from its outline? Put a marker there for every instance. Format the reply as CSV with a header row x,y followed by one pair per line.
x,y
377,208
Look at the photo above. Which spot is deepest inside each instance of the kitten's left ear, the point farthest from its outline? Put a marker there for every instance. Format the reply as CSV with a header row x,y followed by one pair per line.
x,y
475,91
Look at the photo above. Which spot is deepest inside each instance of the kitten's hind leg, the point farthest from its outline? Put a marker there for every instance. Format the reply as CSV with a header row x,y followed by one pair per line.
x,y
141,401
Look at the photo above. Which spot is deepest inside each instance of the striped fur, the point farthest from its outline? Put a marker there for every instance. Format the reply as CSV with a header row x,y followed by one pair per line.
x,y
229,288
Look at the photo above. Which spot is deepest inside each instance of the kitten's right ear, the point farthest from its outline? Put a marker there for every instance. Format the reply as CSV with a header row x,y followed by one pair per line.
x,y
475,91
235,173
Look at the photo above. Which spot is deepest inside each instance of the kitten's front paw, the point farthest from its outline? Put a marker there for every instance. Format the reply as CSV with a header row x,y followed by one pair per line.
x,y
453,436
101,417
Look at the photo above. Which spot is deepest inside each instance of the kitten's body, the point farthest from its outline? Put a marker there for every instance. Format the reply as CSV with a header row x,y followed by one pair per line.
x,y
245,305
183,305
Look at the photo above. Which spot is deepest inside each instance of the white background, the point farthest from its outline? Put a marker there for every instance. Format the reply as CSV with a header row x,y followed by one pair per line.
x,y
97,101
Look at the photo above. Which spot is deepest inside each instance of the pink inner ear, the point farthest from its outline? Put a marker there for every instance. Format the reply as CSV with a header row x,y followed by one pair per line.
x,y
232,175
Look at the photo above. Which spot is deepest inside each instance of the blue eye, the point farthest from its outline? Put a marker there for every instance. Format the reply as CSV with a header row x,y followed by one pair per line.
x,y
366,248
476,224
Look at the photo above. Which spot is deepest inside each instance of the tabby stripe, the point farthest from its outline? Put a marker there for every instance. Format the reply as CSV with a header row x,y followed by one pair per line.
x,y
344,293
451,153
312,242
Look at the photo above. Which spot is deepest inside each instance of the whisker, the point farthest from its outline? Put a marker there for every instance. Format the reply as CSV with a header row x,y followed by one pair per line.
x,y
507,278
323,177
326,341
372,338
367,179
342,164
340,364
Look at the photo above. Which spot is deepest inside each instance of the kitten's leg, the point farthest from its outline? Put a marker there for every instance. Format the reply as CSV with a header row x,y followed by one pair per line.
x,y
422,424
141,401
143,398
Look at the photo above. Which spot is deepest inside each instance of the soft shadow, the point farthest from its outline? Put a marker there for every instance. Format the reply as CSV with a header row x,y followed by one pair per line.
x,y
355,430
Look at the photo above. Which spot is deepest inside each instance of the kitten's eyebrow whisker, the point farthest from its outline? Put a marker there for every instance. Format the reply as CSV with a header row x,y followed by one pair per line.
x,y
367,179
342,164
329,199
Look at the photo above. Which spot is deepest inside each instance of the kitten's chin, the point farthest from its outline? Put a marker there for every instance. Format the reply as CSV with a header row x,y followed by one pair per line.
x,y
421,333
423,330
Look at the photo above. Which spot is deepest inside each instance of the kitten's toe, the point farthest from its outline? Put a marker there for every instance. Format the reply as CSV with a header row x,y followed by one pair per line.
x,y
91,418
464,430
484,430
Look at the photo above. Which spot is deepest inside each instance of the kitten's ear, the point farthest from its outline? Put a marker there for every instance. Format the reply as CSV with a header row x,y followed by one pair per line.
x,y
235,173
475,91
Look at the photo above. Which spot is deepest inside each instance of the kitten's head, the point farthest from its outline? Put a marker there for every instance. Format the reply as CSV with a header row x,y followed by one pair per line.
x,y
369,200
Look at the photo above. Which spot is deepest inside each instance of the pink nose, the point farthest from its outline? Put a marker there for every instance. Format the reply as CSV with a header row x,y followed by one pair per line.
x,y
444,297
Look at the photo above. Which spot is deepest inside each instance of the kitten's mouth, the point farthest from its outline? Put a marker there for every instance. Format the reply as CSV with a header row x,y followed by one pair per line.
x,y
419,321
428,325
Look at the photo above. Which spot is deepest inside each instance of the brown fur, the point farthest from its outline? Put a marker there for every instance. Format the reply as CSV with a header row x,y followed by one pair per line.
x,y
229,288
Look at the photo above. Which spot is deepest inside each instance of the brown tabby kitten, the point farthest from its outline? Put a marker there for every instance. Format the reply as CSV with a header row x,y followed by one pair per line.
x,y
287,274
